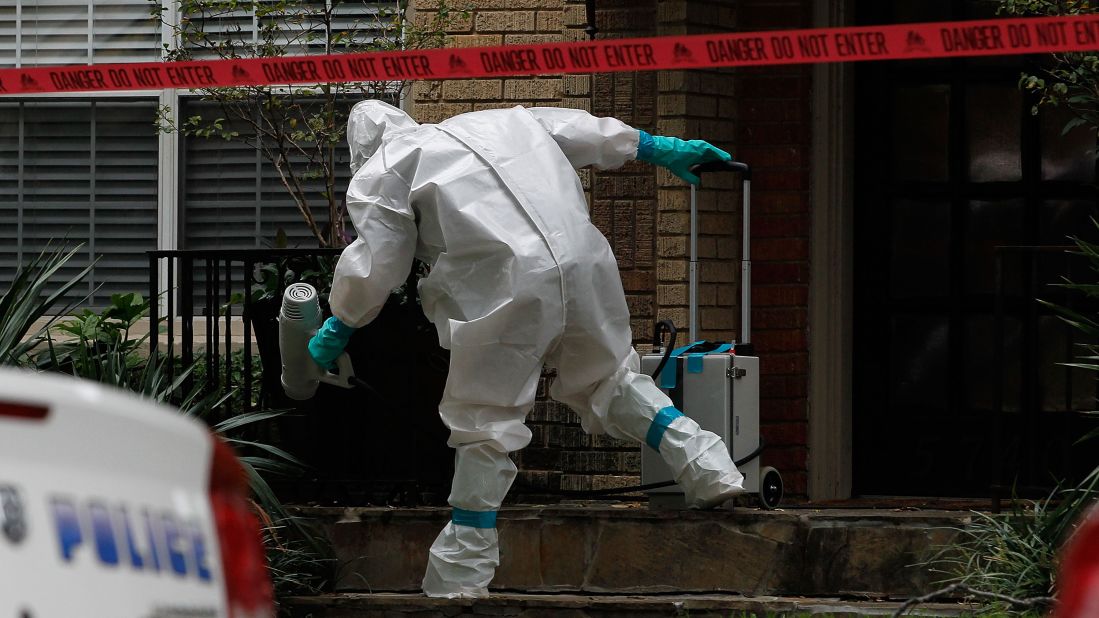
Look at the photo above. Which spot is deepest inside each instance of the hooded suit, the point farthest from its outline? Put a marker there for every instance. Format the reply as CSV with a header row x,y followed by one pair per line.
x,y
519,279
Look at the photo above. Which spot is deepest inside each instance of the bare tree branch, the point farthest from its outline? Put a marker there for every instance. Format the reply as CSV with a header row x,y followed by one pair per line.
x,y
295,129
1038,603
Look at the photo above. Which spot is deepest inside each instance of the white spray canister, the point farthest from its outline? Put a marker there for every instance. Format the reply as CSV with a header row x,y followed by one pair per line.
x,y
299,319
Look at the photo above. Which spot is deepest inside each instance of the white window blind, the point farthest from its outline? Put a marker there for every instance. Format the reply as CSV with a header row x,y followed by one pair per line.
x,y
49,32
80,171
233,198
300,29
85,169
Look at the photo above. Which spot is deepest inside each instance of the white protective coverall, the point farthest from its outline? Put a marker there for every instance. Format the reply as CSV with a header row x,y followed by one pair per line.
x,y
519,278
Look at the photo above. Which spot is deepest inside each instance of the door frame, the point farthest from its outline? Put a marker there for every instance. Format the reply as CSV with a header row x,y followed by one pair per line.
x,y
831,289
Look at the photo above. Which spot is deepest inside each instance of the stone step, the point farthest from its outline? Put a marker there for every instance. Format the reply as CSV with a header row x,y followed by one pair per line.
x,y
390,605
629,549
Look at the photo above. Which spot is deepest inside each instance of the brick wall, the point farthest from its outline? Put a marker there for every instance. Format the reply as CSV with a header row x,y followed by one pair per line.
x,y
623,206
698,104
773,135
494,22
761,116
624,200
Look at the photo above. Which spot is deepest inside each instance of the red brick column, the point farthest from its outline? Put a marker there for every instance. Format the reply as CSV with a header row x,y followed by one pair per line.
x,y
623,207
698,104
774,137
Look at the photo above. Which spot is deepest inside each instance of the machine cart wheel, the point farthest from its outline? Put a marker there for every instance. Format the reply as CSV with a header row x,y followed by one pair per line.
x,y
770,487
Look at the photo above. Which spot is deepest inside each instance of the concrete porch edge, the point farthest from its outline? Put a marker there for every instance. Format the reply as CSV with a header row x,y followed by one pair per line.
x,y
623,549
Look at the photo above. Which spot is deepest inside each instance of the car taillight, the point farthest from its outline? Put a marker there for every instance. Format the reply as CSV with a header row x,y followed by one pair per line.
x,y
23,410
243,562
1078,576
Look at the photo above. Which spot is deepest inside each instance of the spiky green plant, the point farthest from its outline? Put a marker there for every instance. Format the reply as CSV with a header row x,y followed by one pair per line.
x,y
28,300
1015,554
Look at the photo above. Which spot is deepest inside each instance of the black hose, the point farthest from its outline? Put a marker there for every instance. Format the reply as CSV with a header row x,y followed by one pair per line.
x,y
658,342
750,456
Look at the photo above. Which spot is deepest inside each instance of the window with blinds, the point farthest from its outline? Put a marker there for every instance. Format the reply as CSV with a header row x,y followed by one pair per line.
x,y
80,171
85,170
233,199
298,28
231,196
47,32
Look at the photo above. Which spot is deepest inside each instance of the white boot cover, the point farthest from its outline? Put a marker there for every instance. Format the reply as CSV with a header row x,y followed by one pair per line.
x,y
699,460
461,562
464,556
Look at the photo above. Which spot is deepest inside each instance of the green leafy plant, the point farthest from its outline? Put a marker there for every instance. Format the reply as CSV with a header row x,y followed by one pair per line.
x,y
237,377
1014,554
316,270
1072,79
295,564
97,345
1088,357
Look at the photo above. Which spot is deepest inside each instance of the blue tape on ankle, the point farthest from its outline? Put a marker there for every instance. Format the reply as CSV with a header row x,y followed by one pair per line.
x,y
473,519
660,425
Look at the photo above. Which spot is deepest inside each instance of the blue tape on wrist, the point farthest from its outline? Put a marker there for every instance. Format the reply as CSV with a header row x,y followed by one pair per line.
x,y
473,519
659,425
644,146
341,329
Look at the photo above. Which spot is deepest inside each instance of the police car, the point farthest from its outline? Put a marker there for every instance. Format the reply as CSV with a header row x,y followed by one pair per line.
x,y
111,506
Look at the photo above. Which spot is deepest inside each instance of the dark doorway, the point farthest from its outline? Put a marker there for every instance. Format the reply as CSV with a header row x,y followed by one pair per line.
x,y
951,165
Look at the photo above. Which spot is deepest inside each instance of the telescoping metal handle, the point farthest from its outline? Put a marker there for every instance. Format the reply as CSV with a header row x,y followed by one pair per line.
x,y
746,256
722,166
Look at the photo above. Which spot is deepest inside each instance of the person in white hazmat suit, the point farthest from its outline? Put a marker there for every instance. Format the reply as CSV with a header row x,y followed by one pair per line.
x,y
519,278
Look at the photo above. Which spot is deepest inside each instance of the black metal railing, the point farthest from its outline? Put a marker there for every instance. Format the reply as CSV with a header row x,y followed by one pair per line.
x,y
217,285
1038,402
345,436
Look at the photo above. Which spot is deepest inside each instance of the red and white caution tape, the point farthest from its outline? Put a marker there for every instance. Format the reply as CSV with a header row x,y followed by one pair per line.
x,y
994,37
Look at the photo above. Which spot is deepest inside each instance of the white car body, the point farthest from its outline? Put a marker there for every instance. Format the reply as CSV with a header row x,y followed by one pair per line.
x,y
105,507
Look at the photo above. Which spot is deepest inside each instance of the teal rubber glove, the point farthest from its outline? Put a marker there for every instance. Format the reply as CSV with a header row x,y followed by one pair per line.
x,y
327,345
678,155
